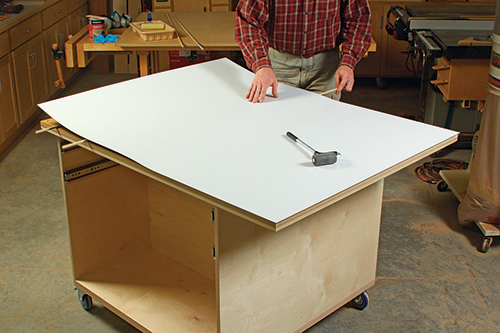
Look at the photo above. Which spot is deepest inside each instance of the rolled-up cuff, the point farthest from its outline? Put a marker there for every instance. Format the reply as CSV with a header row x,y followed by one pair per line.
x,y
266,62
348,61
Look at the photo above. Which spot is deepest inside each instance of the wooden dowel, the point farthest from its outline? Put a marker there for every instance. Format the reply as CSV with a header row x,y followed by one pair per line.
x,y
96,17
194,39
178,36
328,91
43,130
73,144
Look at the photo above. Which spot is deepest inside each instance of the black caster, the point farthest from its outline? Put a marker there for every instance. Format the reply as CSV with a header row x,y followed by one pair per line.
x,y
442,186
380,83
85,300
361,302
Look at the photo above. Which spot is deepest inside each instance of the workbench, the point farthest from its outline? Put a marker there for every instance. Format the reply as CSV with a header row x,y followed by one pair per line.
x,y
201,215
214,31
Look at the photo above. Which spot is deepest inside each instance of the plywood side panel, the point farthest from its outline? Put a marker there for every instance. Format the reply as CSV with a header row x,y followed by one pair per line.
x,y
182,228
277,282
108,216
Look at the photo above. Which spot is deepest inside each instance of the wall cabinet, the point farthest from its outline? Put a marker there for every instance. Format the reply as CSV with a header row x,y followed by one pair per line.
x,y
9,121
30,76
27,67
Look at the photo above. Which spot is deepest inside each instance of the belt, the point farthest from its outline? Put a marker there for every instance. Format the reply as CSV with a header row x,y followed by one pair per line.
x,y
305,56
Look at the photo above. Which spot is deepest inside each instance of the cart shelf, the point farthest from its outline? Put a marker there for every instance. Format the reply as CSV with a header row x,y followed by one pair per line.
x,y
155,293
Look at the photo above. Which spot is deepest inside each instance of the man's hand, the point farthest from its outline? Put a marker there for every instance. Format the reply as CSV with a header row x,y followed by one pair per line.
x,y
344,78
264,78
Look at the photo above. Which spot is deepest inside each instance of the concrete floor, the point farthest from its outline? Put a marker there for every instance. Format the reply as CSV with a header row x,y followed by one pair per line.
x,y
430,277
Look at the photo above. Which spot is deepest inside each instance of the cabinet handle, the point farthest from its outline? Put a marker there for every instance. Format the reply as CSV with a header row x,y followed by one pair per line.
x,y
32,57
1,88
29,30
381,22
61,40
57,13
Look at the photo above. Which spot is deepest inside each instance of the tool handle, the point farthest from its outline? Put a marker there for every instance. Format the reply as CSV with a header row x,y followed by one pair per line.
x,y
291,136
302,143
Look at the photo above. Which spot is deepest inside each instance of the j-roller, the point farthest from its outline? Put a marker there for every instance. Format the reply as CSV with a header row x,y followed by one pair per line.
x,y
318,158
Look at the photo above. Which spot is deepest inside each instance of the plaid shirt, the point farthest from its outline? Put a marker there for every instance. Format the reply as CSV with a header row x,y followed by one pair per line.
x,y
302,27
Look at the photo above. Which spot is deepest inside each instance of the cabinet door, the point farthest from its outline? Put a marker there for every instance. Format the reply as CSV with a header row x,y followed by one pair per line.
x,y
78,19
39,72
134,8
58,35
370,64
23,60
9,121
30,76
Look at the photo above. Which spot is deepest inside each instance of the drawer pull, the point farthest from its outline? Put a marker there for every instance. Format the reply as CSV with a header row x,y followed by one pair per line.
x,y
29,30
57,13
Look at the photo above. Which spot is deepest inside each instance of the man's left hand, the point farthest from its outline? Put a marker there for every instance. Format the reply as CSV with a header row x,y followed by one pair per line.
x,y
344,78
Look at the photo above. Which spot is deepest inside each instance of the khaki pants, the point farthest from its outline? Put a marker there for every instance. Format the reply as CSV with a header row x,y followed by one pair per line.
x,y
316,73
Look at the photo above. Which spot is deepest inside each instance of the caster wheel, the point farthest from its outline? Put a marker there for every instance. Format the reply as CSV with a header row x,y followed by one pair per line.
x,y
380,83
486,244
361,302
85,300
442,187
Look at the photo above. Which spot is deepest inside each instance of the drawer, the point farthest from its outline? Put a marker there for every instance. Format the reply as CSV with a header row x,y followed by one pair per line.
x,y
54,13
25,30
4,44
75,4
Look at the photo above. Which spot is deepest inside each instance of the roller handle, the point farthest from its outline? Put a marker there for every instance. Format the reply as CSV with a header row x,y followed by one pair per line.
x,y
302,143
291,136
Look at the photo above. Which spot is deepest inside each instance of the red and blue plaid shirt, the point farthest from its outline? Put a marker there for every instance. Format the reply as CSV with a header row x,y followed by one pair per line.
x,y
302,27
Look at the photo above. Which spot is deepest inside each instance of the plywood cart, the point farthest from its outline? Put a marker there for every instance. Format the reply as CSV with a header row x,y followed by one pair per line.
x,y
211,227
457,181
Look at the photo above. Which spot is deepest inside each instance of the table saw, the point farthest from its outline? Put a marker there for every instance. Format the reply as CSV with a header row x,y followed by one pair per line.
x,y
454,44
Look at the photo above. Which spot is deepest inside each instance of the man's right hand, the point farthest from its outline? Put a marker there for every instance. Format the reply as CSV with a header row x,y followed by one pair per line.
x,y
264,78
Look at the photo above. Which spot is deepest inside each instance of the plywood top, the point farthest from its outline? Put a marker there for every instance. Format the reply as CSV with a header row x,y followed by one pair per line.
x,y
194,126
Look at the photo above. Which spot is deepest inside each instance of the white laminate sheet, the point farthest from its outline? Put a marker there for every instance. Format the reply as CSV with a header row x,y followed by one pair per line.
x,y
194,125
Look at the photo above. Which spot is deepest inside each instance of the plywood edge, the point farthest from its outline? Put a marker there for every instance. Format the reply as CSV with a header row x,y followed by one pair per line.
x,y
359,186
457,180
489,229
65,134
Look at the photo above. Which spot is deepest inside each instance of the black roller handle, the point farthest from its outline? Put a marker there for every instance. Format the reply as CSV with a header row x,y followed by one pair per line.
x,y
296,139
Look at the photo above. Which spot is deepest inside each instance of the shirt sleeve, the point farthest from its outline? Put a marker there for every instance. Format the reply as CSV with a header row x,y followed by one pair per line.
x,y
356,31
251,16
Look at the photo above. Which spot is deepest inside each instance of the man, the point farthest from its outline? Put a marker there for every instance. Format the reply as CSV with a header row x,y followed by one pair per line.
x,y
297,42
